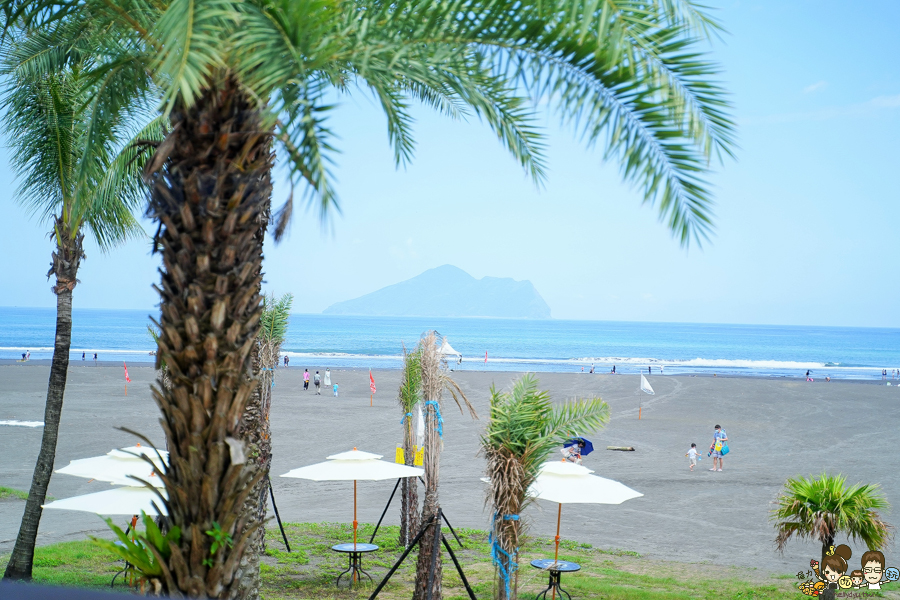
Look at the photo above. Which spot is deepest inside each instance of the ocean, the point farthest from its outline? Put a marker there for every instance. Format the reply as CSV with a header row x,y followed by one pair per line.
x,y
317,341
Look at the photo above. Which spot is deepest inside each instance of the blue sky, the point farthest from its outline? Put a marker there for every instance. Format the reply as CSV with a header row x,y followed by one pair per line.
x,y
806,218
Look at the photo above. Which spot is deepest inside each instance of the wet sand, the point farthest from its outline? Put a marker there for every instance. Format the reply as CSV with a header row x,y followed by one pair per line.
x,y
777,429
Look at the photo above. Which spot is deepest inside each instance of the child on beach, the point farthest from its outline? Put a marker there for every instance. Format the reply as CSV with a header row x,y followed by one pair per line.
x,y
335,390
693,455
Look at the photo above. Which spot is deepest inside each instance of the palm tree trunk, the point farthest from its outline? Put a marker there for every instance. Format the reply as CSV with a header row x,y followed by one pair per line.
x,y
64,265
210,184
257,435
409,492
430,508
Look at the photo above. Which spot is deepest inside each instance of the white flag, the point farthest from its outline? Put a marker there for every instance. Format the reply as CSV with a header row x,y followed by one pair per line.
x,y
645,386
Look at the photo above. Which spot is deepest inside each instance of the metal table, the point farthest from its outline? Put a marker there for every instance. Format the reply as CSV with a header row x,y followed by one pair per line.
x,y
354,553
556,569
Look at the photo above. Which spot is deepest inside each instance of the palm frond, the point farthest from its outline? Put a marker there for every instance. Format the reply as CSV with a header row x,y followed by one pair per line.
x,y
275,318
820,508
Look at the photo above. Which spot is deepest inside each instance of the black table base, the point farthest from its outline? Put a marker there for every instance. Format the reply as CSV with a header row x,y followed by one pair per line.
x,y
354,570
554,583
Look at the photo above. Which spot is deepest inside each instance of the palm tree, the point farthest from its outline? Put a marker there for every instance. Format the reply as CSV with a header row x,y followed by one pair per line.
x,y
821,508
435,380
237,78
74,177
525,427
409,398
257,433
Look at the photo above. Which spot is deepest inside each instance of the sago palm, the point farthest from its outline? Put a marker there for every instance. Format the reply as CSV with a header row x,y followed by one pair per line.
x,y
525,428
238,78
76,179
409,397
820,508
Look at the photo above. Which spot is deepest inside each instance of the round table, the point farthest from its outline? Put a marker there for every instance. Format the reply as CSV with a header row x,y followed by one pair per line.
x,y
355,553
556,568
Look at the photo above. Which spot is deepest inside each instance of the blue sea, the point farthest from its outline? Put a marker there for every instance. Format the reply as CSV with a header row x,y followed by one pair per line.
x,y
510,344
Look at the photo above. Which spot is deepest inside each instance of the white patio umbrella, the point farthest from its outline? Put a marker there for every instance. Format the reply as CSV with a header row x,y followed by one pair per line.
x,y
117,501
354,465
567,483
116,466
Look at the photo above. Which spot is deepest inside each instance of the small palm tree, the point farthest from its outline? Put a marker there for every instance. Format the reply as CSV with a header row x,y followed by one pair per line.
x,y
73,175
821,508
409,398
525,428
257,433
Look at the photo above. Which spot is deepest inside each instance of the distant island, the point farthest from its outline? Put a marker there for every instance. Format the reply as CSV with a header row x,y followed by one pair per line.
x,y
448,291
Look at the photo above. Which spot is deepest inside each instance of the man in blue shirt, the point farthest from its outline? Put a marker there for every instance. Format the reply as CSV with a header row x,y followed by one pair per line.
x,y
719,438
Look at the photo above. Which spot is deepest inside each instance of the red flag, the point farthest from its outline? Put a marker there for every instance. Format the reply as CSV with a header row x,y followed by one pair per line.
x,y
127,378
371,382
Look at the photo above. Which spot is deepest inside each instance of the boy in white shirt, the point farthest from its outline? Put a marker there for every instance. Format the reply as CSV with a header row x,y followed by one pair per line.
x,y
693,455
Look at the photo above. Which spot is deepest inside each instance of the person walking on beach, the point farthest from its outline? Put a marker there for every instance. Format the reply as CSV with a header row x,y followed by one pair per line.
x,y
592,368
649,370
287,359
317,383
614,370
335,390
715,450
95,359
327,382
305,379
82,356
693,456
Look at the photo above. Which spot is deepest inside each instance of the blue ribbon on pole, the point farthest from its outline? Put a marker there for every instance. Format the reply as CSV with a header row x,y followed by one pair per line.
x,y
497,551
440,419
404,417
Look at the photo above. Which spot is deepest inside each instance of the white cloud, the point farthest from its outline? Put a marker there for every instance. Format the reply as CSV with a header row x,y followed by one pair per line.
x,y
819,85
886,101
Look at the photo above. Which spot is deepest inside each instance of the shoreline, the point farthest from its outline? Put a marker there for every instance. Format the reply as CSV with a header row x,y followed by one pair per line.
x,y
817,377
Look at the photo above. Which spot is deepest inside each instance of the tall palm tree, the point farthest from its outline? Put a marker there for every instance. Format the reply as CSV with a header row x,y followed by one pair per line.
x,y
822,507
525,427
409,397
75,178
237,78
257,432
435,381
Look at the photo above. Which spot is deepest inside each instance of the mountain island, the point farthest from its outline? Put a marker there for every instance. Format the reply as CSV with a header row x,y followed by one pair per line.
x,y
448,291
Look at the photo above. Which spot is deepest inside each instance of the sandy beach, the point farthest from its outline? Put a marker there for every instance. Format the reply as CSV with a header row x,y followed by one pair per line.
x,y
777,429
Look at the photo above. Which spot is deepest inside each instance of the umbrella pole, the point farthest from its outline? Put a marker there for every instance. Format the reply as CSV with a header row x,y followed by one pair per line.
x,y
558,520
556,554
354,515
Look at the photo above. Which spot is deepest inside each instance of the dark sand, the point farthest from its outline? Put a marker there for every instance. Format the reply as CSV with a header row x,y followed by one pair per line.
x,y
778,428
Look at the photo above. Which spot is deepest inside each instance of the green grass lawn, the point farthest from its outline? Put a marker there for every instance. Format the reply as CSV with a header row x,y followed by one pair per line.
x,y
10,493
309,571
